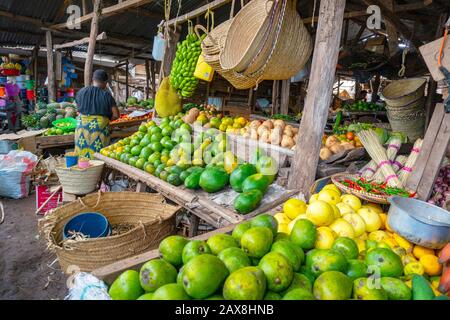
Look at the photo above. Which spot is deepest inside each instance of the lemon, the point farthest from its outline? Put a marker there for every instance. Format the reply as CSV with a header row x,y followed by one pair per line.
x,y
352,201
332,187
378,235
320,213
361,244
374,206
325,238
343,228
336,212
313,198
357,222
329,196
371,219
344,208
283,227
294,207
281,218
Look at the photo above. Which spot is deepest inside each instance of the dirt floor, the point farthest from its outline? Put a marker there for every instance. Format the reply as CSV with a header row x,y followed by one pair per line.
x,y
25,264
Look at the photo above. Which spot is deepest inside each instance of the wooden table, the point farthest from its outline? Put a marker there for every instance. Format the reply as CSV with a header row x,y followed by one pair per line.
x,y
47,142
197,202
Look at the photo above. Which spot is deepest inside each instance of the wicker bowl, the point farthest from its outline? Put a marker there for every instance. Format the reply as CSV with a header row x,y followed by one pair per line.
x,y
337,178
145,219
80,181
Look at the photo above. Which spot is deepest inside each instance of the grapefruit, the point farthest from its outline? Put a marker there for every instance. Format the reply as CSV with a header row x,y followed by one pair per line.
x,y
294,207
320,213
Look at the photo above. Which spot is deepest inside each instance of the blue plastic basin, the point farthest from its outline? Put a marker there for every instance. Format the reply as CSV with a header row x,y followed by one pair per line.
x,y
91,224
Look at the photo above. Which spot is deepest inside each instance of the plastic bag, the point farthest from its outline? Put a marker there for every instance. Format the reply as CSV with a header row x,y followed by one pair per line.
x,y
87,287
203,71
167,101
14,170
159,44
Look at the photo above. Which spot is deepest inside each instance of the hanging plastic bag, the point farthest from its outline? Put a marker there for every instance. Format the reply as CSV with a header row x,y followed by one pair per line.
x,y
203,71
167,100
159,43
14,173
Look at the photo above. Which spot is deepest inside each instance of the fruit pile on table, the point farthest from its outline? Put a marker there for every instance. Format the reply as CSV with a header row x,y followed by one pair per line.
x,y
263,259
171,153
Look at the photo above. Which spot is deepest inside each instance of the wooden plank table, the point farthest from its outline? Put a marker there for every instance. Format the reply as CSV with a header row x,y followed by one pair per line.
x,y
197,202
47,142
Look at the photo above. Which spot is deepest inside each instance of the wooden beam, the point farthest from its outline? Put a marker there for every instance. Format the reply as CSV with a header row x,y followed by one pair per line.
x,y
398,9
92,40
198,12
394,19
50,67
108,11
153,78
100,37
320,89
84,7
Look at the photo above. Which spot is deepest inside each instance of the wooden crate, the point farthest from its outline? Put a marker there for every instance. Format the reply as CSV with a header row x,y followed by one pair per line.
x,y
47,142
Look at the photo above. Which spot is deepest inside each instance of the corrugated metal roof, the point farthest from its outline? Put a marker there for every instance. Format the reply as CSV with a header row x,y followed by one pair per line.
x,y
137,22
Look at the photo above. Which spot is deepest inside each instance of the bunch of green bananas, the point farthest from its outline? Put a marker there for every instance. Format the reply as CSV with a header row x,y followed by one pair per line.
x,y
182,73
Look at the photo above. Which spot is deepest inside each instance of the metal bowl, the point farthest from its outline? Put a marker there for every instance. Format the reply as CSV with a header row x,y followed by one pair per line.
x,y
419,222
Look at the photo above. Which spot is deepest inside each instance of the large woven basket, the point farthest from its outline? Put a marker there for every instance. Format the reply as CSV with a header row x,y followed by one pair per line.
x,y
281,35
404,92
80,181
409,119
151,220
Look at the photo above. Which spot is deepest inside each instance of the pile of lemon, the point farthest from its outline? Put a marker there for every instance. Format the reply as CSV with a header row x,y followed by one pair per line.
x,y
344,215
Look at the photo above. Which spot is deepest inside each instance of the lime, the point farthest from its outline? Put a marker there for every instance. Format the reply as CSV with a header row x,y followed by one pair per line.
x,y
136,150
156,146
154,130
149,168
140,163
156,137
164,175
142,128
132,161
145,153
134,142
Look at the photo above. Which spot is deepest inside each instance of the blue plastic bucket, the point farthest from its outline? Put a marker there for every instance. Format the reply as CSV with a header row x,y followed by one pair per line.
x,y
91,224
71,161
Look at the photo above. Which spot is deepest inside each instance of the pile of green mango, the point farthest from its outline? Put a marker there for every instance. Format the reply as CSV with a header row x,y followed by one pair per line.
x,y
256,262
182,73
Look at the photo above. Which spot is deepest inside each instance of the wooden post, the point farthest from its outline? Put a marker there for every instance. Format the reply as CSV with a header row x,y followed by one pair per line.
x,y
116,85
127,76
92,40
36,64
285,93
50,68
84,7
320,89
147,78
153,78
275,97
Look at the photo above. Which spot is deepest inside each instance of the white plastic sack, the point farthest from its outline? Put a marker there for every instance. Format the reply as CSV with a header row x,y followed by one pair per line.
x,y
14,169
87,287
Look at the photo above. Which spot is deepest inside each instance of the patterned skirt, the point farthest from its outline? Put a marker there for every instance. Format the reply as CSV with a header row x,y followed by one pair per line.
x,y
91,135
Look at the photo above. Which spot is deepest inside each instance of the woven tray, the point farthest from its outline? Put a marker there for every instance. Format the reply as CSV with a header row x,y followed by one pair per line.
x,y
337,178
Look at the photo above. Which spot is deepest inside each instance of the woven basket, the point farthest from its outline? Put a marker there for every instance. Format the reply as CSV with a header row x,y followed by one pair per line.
x,y
404,92
80,181
408,119
211,44
152,217
283,35
337,178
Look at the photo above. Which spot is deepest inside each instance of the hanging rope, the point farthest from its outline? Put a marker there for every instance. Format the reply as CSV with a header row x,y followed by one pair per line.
x,y
401,72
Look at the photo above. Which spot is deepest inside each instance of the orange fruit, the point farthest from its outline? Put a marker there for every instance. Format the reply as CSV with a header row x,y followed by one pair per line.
x,y
431,264
419,251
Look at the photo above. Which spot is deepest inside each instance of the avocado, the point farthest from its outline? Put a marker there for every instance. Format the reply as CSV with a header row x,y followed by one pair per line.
x,y
239,174
248,201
